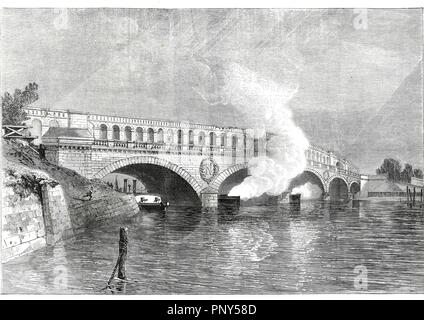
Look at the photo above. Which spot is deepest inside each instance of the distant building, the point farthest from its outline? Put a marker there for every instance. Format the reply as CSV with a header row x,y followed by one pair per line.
x,y
419,182
380,186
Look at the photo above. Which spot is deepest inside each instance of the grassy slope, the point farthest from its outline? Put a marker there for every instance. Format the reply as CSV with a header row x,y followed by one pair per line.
x,y
22,160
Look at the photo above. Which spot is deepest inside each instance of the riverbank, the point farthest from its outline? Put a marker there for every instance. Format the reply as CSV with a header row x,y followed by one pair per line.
x,y
43,204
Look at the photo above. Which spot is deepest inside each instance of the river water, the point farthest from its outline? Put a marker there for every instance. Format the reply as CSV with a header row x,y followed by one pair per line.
x,y
359,247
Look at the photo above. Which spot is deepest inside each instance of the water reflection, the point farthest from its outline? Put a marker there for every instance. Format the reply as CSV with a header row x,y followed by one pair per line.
x,y
275,249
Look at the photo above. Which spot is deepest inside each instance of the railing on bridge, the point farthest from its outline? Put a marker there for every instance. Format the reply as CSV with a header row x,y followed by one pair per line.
x,y
160,147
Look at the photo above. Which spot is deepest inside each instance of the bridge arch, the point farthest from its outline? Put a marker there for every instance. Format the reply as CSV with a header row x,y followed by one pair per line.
x,y
220,178
313,180
338,177
338,188
354,188
354,184
152,161
318,175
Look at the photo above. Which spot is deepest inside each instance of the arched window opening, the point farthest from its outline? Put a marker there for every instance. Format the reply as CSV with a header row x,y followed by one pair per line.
x,y
103,132
255,147
212,139
139,134
234,148
180,137
116,135
170,138
190,139
150,135
201,138
160,136
128,134
223,140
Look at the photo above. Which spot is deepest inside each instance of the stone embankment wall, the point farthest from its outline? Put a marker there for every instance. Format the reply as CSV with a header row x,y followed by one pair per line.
x,y
23,227
43,204
83,213
35,221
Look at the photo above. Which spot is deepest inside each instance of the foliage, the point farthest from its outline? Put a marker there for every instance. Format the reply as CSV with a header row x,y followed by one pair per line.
x,y
12,106
418,173
407,173
393,169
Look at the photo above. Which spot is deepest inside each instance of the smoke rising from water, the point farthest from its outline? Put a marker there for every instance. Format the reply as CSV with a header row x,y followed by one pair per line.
x,y
264,103
308,191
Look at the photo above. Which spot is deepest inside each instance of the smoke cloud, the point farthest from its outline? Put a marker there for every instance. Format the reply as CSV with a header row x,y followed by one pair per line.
x,y
308,191
264,103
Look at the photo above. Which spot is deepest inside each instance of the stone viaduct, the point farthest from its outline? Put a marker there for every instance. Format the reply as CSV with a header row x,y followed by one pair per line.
x,y
204,156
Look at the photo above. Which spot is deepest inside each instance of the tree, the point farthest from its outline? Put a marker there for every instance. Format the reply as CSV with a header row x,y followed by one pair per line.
x,y
12,107
418,173
391,168
406,173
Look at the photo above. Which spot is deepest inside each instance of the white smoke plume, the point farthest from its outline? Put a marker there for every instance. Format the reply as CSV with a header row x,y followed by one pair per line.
x,y
308,191
264,103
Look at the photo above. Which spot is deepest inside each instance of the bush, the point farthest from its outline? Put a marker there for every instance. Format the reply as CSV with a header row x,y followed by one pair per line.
x,y
12,107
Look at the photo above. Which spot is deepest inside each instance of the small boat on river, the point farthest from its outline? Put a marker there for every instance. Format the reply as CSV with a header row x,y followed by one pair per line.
x,y
151,202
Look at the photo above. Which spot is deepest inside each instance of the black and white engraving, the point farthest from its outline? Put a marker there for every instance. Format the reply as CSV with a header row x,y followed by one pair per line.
x,y
212,151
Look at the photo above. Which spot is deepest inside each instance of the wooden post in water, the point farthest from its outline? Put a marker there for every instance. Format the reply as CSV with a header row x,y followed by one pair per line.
x,y
122,257
413,198
123,246
407,195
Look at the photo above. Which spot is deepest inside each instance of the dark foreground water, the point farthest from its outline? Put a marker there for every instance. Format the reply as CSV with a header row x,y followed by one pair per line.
x,y
321,248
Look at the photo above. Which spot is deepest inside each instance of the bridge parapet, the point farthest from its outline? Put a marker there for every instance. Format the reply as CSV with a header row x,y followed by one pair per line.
x,y
166,148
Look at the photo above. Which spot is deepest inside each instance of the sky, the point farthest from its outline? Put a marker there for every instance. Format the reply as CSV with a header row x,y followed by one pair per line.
x,y
145,62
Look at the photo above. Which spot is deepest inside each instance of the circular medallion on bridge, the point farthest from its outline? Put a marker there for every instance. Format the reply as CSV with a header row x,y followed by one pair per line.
x,y
208,169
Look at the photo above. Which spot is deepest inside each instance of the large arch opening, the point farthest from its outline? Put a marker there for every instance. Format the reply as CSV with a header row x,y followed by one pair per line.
x,y
164,182
159,176
232,180
308,184
338,190
354,189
